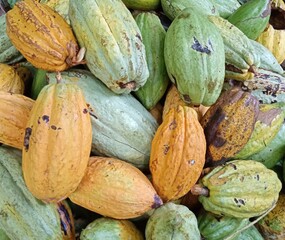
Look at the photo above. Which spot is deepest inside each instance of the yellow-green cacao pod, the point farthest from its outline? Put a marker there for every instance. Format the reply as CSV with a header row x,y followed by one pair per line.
x,y
239,188
109,228
22,215
145,5
172,221
57,142
158,80
226,7
115,52
121,127
272,226
195,57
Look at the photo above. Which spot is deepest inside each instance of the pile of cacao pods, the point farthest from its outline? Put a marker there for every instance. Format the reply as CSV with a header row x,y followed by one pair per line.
x,y
148,119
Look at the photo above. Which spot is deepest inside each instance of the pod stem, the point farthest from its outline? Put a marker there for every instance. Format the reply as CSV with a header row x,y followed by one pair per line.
x,y
199,189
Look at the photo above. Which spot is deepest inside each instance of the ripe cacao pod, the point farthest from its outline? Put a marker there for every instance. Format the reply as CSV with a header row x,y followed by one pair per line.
x,y
177,153
228,125
42,36
115,189
57,142
14,113
10,81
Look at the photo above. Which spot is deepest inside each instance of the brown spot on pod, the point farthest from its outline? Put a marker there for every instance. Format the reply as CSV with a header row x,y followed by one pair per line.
x,y
166,148
28,133
85,111
172,125
53,127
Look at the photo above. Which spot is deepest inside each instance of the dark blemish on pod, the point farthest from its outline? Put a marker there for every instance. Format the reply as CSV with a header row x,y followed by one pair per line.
x,y
157,202
165,149
45,118
28,133
53,127
186,98
139,37
241,201
65,220
234,166
257,177
39,120
172,125
93,115
85,111
199,48
236,201
219,142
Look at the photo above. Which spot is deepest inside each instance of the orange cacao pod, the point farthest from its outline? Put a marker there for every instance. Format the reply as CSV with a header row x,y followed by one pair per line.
x,y
57,142
14,114
177,153
116,189
42,36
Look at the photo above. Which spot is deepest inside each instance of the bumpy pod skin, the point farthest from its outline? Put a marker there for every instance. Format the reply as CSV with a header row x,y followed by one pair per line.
x,y
154,88
115,52
241,189
177,153
268,123
109,228
42,36
217,227
116,189
228,125
172,221
8,53
22,215
14,114
121,126
195,58
57,142
273,39
10,81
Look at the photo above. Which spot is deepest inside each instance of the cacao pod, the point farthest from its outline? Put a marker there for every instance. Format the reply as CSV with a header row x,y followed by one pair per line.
x,y
10,81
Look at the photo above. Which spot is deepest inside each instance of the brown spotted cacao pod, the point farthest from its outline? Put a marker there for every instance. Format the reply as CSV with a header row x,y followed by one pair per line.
x,y
42,36
116,189
57,142
177,153
228,125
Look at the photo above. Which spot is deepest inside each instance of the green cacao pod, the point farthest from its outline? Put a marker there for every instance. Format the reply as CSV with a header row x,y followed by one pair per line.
x,y
172,221
195,58
8,53
267,86
241,57
158,80
272,226
268,123
115,52
145,5
172,8
108,228
60,6
239,188
226,7
3,235
217,227
267,59
121,126
228,125
273,151
39,81
250,233
23,216
252,17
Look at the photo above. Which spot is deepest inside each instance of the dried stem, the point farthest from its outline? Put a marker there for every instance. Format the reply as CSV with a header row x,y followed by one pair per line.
x,y
199,189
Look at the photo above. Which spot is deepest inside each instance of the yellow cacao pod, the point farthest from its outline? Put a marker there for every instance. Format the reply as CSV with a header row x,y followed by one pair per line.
x,y
57,142
42,36
116,189
10,81
274,40
177,154
14,113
